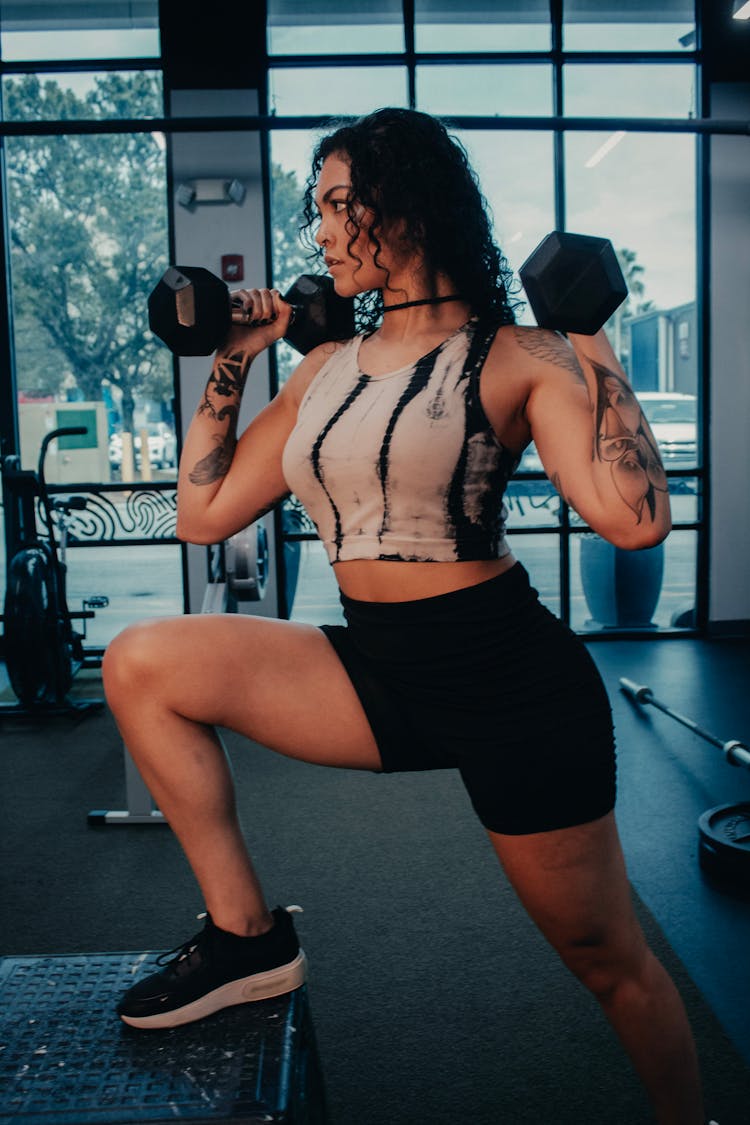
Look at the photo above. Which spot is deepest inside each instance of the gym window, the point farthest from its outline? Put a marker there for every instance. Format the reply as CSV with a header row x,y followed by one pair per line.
x,y
499,68
70,206
499,64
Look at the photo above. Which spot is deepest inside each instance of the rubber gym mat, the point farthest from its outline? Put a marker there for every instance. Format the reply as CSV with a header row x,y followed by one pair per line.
x,y
66,1058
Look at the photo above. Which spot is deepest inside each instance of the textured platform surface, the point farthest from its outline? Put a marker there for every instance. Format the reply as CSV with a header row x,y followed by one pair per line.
x,y
66,1059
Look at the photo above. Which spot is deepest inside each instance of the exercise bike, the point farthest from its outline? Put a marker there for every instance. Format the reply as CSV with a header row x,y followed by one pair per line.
x,y
43,650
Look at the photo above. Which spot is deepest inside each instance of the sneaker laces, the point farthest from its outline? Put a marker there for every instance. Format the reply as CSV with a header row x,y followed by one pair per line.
x,y
185,951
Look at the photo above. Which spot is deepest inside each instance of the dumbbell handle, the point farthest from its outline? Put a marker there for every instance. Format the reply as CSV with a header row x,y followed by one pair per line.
x,y
185,307
737,754
239,316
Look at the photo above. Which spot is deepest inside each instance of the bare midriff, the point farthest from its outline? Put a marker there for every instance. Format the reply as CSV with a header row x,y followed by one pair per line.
x,y
379,580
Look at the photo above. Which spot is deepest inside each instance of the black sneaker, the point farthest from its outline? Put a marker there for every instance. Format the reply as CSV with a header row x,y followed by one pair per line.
x,y
215,970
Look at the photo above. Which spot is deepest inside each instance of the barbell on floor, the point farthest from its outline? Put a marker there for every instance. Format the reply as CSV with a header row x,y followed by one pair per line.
x,y
735,752
724,831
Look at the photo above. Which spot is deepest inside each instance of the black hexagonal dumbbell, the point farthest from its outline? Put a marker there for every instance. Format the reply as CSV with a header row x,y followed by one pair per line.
x,y
191,310
573,282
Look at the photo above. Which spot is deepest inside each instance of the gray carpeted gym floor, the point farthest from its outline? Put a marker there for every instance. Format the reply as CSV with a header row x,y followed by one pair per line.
x,y
434,998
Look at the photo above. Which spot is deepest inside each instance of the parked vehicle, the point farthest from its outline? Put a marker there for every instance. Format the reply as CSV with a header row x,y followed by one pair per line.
x,y
673,418
162,446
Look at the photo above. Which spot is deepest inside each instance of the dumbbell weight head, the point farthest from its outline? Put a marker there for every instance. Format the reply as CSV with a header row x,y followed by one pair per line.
x,y
573,282
319,315
190,310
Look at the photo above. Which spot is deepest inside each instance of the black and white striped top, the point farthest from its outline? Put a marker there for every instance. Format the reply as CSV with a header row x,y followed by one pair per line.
x,y
403,466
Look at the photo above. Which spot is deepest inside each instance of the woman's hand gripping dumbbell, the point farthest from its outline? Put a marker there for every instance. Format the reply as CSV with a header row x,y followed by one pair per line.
x,y
193,313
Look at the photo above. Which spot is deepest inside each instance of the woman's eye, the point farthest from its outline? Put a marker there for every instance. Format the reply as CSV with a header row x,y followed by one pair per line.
x,y
339,205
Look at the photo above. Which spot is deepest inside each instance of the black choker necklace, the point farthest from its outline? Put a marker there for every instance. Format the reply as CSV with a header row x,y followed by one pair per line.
x,y
424,301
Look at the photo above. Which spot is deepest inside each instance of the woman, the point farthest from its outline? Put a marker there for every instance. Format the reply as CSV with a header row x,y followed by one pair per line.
x,y
400,444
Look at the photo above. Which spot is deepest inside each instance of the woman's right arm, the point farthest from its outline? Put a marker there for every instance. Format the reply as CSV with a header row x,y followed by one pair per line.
x,y
225,483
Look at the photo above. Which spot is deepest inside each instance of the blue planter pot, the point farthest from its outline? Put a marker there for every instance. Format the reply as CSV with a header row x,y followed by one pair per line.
x,y
621,588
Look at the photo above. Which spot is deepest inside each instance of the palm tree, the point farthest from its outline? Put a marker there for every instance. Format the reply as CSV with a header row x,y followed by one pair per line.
x,y
631,306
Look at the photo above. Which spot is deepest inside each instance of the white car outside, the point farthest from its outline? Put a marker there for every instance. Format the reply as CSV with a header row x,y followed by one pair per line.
x,y
673,418
162,446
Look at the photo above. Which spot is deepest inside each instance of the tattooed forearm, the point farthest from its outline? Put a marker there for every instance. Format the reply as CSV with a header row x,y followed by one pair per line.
x,y
624,442
552,348
227,381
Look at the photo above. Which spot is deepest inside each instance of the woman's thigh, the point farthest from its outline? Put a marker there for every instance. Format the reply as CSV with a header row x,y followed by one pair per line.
x,y
277,682
574,885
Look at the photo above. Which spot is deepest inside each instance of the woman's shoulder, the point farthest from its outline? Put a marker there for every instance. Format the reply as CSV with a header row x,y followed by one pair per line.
x,y
534,351
313,363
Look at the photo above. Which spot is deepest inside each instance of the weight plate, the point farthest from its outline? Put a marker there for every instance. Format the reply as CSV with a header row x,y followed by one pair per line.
x,y
724,834
246,563
37,658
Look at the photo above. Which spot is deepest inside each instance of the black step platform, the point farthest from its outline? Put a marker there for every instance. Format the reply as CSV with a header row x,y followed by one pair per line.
x,y
66,1059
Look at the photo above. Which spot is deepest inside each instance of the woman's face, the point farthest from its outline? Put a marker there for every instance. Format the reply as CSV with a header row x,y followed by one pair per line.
x,y
352,267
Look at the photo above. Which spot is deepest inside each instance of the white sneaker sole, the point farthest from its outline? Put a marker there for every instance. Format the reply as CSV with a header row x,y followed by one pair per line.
x,y
260,986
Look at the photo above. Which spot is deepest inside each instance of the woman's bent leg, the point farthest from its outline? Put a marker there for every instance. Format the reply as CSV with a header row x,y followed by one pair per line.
x,y
574,885
169,682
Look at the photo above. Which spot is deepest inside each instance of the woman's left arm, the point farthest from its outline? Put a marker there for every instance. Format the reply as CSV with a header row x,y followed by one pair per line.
x,y
593,438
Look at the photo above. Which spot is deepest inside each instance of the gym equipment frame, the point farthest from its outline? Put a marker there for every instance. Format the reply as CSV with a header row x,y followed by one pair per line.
x,y
238,572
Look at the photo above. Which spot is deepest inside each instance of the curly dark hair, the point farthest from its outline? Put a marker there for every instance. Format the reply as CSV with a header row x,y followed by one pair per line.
x,y
406,166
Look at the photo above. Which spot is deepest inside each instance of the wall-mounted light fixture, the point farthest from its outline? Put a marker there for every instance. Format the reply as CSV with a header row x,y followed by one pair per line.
x,y
741,10
194,192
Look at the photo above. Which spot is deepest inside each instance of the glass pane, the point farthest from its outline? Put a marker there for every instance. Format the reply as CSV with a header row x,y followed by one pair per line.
x,y
325,27
612,589
311,581
532,503
515,172
336,90
140,582
640,193
511,90
482,25
635,90
673,418
91,31
628,26
540,554
684,496
86,95
291,155
81,338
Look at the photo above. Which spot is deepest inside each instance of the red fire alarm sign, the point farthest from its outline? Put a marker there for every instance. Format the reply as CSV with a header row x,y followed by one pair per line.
x,y
232,267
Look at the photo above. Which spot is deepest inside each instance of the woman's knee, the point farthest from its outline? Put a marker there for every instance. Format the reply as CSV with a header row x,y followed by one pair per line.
x,y
606,962
131,662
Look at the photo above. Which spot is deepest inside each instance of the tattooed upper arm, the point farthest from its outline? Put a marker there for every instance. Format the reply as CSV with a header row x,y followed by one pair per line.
x,y
624,442
551,348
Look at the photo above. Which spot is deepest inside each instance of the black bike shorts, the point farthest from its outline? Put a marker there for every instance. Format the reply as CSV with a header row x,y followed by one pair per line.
x,y
487,681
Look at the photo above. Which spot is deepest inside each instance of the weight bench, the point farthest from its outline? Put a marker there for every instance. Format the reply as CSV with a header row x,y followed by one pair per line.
x,y
238,573
66,1058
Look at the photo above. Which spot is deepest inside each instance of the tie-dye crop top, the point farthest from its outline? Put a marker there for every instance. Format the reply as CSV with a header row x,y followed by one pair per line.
x,y
403,466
